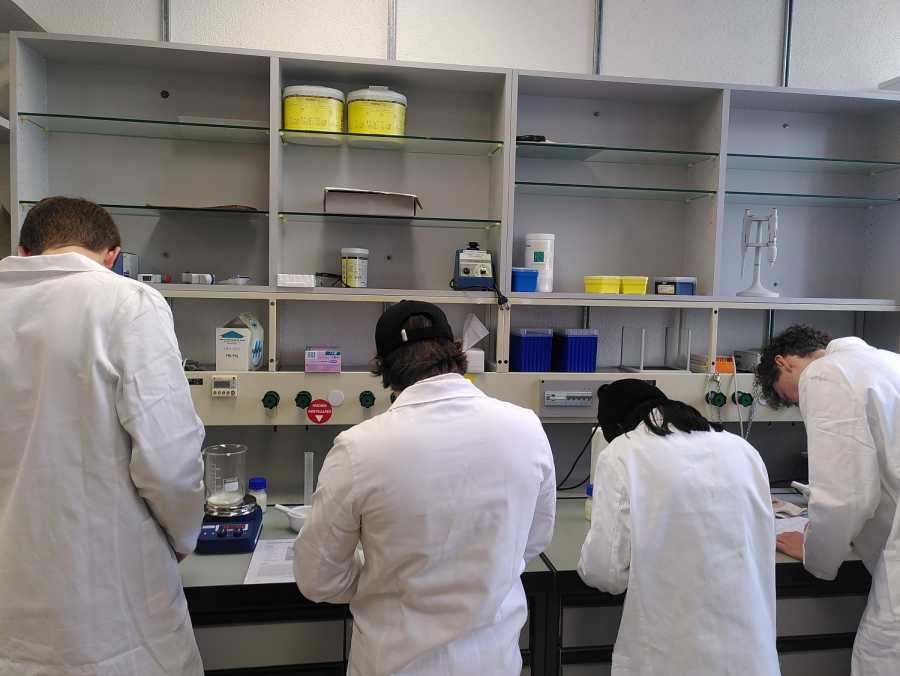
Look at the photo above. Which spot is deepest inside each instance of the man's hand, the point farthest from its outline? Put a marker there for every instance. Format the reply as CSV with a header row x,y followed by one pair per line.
x,y
790,544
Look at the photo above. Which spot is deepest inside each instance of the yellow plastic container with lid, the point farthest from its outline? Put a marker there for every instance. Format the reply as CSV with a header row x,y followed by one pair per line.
x,y
313,108
376,110
635,286
602,284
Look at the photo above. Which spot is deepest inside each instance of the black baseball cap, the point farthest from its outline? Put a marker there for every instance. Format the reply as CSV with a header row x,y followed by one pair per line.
x,y
390,334
617,403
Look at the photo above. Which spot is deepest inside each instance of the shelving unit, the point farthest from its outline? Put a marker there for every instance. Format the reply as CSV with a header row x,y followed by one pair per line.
x,y
637,177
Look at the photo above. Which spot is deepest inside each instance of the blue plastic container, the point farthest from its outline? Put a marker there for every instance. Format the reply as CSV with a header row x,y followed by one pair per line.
x,y
524,279
575,350
530,349
675,286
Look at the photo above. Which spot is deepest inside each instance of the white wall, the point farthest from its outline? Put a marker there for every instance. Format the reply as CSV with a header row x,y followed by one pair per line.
x,y
845,44
710,40
528,34
342,27
137,19
840,44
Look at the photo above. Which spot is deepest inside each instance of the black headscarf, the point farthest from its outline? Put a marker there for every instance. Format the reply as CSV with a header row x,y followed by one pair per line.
x,y
621,405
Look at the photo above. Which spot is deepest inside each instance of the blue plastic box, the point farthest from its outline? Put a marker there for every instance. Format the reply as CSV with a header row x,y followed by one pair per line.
x,y
530,349
675,286
575,350
524,279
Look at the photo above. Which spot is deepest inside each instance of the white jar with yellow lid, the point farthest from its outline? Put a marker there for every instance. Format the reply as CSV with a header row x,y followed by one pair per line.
x,y
376,110
313,108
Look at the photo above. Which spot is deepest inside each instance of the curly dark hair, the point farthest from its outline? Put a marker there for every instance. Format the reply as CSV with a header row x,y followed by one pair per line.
x,y
417,361
68,221
798,340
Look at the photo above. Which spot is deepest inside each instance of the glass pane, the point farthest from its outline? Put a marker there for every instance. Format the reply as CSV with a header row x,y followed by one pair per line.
x,y
810,164
400,144
161,129
159,210
588,153
418,221
612,192
793,199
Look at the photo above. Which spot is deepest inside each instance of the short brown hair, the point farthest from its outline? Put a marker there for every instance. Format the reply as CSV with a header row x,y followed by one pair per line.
x,y
798,340
68,221
417,361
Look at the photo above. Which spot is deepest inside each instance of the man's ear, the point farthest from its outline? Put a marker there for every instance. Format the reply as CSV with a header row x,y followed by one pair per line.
x,y
782,363
109,258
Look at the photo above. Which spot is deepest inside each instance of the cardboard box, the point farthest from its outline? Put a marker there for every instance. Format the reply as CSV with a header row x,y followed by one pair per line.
x,y
127,265
370,203
475,358
239,344
322,360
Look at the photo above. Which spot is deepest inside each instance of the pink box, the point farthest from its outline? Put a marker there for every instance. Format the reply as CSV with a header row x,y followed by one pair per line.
x,y
323,360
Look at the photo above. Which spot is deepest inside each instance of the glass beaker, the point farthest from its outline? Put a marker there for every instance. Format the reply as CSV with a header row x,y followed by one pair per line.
x,y
225,474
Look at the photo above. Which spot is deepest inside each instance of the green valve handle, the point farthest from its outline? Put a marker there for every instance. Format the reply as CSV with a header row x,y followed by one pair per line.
x,y
366,399
303,399
270,399
716,399
744,399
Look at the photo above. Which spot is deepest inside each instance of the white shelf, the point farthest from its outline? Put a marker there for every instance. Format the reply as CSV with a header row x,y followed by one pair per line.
x,y
228,292
704,302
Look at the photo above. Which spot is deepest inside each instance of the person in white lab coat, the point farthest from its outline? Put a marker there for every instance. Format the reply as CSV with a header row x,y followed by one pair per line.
x,y
101,483
450,493
849,397
683,520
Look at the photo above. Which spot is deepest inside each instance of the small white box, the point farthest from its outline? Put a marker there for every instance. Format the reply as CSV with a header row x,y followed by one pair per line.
x,y
370,203
302,281
475,357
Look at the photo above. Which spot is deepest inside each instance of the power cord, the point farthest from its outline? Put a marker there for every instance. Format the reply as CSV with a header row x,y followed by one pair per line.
x,y
560,485
502,300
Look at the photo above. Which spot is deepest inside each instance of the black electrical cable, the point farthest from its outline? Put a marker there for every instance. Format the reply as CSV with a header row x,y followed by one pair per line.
x,y
502,300
587,444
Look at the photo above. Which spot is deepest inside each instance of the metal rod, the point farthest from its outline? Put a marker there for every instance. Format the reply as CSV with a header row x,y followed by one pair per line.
x,y
598,35
770,327
392,30
586,317
164,21
786,43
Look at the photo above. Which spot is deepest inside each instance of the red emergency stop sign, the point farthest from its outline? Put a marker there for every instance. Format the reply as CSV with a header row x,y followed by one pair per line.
x,y
319,411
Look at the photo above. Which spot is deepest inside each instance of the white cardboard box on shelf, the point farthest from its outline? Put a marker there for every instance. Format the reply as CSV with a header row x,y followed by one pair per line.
x,y
370,202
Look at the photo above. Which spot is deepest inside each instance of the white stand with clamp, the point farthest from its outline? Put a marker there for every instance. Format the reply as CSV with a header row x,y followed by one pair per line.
x,y
752,222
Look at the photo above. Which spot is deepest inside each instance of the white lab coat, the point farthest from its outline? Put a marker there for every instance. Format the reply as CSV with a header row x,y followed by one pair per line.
x,y
100,475
850,401
449,492
685,523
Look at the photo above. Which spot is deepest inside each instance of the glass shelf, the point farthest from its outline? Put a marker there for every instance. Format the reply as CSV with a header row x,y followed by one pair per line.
x,y
158,129
612,192
796,199
809,164
596,154
415,222
156,210
401,144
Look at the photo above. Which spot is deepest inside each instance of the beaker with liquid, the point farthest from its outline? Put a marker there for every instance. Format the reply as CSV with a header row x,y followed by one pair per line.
x,y
225,474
